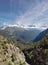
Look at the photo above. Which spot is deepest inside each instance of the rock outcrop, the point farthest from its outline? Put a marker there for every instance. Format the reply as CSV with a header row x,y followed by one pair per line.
x,y
10,54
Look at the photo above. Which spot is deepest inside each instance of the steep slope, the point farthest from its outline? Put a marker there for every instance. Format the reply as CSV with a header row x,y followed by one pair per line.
x,y
41,35
20,34
10,54
38,53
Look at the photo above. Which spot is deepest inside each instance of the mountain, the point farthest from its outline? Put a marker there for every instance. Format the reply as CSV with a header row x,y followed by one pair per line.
x,y
38,53
41,35
31,54
20,33
10,54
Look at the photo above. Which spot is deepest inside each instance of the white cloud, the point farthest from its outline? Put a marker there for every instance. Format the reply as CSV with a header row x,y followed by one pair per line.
x,y
36,14
32,14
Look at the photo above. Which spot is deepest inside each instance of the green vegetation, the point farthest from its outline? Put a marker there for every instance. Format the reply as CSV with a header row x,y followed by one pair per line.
x,y
9,53
38,54
35,53
13,57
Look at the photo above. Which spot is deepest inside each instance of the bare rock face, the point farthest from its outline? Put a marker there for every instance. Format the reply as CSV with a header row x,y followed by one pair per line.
x,y
10,54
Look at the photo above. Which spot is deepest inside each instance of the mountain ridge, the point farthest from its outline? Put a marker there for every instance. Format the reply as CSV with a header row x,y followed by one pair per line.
x,y
21,34
24,26
41,35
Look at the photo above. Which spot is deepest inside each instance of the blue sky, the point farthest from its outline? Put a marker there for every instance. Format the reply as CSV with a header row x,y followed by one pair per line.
x,y
24,12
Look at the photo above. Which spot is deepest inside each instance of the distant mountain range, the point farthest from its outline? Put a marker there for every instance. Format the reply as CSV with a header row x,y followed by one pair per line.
x,y
23,34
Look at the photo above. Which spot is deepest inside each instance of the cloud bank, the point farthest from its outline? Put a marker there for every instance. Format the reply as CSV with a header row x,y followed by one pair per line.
x,y
28,13
37,15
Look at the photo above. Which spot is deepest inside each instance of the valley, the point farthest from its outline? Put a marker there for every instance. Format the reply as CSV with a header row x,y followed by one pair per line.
x,y
24,35
17,52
